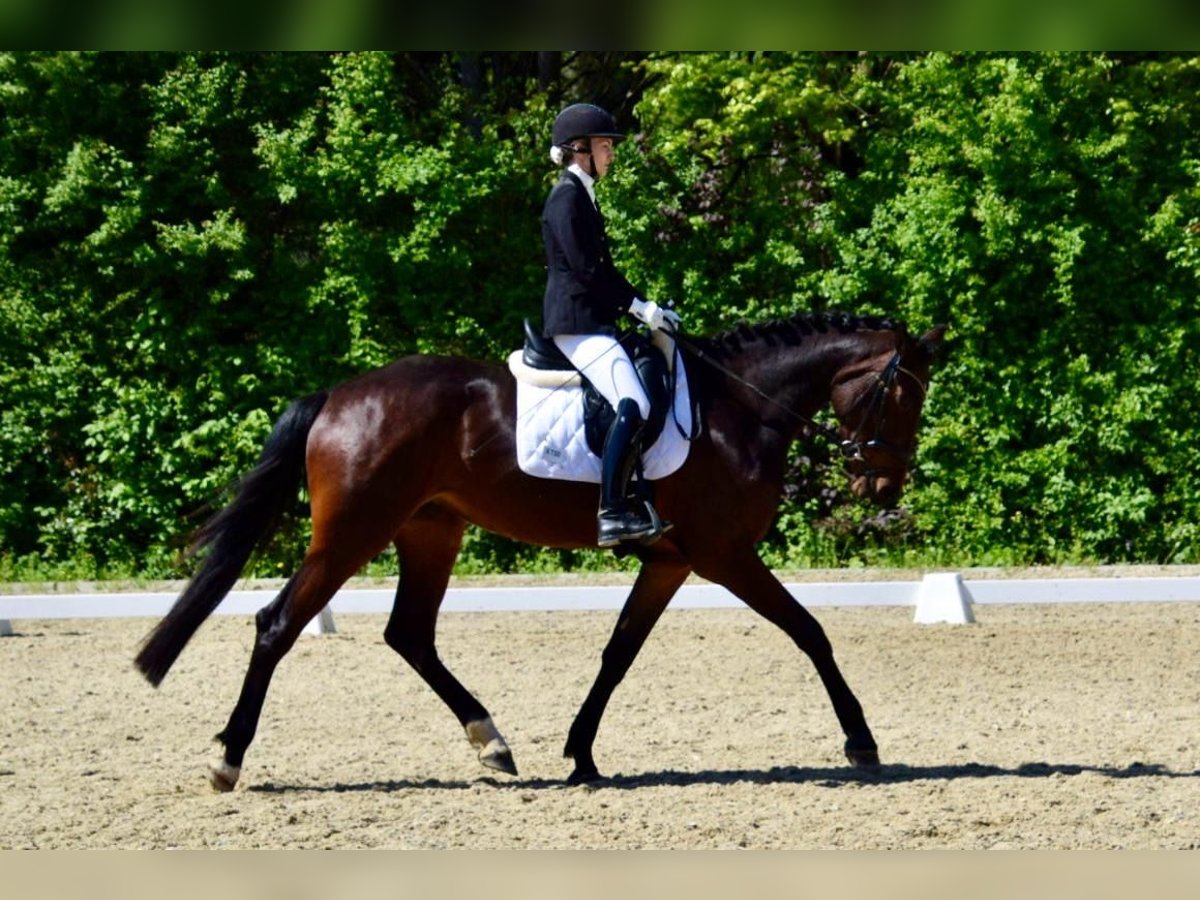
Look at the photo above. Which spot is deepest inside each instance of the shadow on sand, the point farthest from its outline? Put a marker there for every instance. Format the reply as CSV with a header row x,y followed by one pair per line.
x,y
818,777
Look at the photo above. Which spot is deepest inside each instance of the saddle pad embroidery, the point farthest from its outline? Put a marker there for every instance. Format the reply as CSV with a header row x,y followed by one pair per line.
x,y
551,441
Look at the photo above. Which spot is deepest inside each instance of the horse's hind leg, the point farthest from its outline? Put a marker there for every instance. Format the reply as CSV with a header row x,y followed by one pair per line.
x,y
427,546
277,626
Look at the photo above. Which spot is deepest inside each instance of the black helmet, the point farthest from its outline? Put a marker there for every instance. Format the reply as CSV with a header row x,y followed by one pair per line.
x,y
583,120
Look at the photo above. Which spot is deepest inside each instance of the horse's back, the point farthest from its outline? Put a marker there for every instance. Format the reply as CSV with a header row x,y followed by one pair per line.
x,y
422,404
422,384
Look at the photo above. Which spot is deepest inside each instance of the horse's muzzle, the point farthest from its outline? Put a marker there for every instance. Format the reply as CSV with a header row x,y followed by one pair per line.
x,y
881,488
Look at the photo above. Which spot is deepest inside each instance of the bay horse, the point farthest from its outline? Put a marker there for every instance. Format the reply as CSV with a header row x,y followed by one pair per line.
x,y
410,453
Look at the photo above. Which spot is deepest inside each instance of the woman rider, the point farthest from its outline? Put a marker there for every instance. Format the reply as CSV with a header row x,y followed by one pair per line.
x,y
585,296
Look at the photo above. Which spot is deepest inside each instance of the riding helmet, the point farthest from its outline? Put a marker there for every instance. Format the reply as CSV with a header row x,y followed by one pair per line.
x,y
583,120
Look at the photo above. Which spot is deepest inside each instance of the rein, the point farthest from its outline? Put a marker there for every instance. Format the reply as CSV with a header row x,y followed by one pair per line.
x,y
851,449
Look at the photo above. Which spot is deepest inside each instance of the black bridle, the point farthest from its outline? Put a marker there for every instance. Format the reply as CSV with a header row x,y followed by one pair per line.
x,y
854,448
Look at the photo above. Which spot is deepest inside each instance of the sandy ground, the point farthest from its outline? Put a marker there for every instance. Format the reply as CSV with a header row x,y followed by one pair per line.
x,y
1036,727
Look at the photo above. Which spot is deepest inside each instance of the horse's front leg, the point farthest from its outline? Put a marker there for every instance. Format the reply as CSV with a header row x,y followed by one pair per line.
x,y
656,584
428,545
747,577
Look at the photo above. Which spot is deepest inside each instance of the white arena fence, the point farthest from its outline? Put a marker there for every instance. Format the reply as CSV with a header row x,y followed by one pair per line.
x,y
937,597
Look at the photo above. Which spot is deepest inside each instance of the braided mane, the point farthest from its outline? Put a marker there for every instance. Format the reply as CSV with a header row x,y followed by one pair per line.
x,y
795,328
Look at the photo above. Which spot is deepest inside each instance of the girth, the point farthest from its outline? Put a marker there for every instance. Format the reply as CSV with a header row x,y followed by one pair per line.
x,y
652,369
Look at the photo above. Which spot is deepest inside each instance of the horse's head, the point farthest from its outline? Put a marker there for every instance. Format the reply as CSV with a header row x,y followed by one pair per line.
x,y
878,403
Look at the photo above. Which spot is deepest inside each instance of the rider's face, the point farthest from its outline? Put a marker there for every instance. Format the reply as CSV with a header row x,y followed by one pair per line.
x,y
602,154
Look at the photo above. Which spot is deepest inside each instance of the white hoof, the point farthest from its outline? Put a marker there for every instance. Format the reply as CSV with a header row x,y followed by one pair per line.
x,y
223,777
493,751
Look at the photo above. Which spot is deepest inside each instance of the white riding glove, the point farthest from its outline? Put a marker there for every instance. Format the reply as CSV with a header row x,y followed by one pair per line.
x,y
654,315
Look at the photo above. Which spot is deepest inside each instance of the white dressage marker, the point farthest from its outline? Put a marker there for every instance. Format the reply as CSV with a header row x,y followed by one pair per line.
x,y
322,623
942,597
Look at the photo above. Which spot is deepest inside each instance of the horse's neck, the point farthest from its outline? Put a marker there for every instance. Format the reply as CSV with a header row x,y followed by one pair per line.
x,y
799,377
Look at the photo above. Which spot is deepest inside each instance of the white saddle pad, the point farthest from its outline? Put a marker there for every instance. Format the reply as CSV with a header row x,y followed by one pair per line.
x,y
550,430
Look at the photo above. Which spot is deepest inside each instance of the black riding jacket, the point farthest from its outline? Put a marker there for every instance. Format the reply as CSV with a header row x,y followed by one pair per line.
x,y
585,294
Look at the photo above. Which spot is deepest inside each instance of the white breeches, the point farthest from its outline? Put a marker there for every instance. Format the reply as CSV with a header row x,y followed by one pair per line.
x,y
604,361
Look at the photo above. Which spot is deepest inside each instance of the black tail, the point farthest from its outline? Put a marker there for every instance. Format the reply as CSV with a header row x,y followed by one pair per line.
x,y
233,534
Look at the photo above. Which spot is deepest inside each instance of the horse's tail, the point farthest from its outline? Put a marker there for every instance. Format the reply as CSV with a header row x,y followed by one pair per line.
x,y
264,495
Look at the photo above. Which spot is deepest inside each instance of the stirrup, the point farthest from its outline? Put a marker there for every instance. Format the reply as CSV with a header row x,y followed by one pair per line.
x,y
627,524
660,527
621,524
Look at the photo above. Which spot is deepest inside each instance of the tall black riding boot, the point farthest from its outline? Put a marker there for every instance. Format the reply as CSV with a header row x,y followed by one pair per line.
x,y
620,518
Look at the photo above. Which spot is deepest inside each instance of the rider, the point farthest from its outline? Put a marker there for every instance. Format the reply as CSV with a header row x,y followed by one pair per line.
x,y
585,296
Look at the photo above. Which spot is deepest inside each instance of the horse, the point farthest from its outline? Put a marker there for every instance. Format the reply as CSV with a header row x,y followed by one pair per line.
x,y
410,453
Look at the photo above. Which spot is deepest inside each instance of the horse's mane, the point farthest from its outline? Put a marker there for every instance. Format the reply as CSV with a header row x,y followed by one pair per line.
x,y
795,328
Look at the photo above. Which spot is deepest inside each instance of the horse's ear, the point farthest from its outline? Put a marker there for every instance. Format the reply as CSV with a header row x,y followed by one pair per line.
x,y
931,341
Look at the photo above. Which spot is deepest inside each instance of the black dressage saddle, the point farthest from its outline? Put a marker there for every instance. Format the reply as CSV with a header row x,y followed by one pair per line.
x,y
542,353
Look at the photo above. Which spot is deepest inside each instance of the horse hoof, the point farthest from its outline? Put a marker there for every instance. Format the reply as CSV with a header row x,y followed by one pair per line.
x,y
500,760
224,777
492,749
583,775
864,760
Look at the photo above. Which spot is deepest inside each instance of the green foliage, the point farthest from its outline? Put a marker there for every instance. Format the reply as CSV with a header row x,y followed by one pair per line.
x,y
188,241
1014,197
723,187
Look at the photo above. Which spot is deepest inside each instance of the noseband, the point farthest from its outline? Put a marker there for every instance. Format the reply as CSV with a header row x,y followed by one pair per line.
x,y
854,449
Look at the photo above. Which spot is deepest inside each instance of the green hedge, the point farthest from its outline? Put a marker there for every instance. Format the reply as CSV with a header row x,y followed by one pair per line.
x,y
190,240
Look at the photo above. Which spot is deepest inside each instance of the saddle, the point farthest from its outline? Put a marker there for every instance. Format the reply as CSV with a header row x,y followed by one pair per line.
x,y
542,355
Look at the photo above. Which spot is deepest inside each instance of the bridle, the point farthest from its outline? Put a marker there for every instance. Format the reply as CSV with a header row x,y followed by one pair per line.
x,y
854,448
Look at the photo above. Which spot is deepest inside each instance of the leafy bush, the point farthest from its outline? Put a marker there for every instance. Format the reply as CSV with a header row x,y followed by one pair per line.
x,y
190,240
